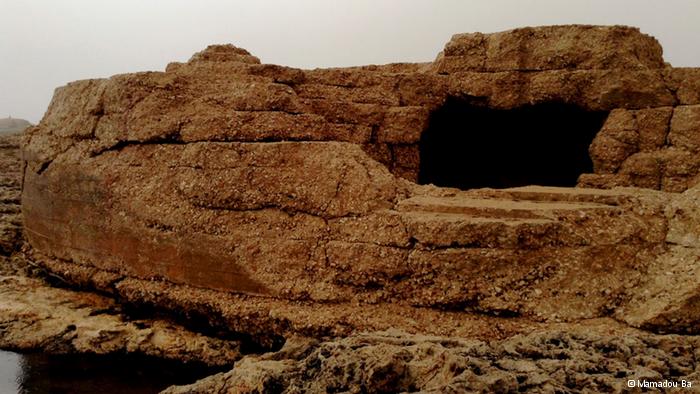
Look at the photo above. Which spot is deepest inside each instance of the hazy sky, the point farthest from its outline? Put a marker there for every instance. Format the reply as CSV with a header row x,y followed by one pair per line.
x,y
45,44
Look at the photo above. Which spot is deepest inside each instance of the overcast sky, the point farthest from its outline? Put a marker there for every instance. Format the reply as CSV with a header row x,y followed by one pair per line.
x,y
45,44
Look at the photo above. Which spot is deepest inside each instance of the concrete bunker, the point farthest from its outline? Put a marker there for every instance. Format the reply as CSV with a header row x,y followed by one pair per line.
x,y
287,179
467,145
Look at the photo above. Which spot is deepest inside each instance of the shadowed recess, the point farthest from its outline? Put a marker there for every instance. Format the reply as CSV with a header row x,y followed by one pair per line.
x,y
468,146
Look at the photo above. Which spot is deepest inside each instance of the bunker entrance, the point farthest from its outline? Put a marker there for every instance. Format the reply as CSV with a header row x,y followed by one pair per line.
x,y
467,146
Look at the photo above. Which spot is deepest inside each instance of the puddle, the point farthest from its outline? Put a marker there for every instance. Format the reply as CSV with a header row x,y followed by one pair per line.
x,y
39,373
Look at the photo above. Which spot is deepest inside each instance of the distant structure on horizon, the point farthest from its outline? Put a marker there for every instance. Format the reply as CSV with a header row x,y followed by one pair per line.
x,y
13,125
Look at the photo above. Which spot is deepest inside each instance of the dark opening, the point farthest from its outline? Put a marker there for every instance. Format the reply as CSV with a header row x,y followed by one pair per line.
x,y
468,146
41,373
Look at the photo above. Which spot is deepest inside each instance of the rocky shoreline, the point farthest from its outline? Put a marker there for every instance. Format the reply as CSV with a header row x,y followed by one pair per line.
x,y
593,356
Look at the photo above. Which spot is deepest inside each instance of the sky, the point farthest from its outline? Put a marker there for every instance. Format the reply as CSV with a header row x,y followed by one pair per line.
x,y
48,43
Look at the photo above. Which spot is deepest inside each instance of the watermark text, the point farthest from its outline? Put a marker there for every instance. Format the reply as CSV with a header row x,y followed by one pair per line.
x,y
659,384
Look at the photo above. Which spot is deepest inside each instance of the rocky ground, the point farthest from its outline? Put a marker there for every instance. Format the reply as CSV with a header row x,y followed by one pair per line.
x,y
503,354
595,357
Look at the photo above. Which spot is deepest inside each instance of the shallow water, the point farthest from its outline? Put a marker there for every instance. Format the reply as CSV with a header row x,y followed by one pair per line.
x,y
39,373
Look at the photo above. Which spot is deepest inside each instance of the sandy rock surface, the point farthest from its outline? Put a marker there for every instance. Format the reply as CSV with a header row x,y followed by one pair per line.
x,y
565,359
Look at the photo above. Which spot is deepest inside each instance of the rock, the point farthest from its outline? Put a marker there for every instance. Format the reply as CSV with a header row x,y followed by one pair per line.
x,y
615,142
682,214
366,105
209,237
593,90
391,361
224,53
686,83
666,300
643,169
684,128
403,125
603,181
653,127
552,48
37,317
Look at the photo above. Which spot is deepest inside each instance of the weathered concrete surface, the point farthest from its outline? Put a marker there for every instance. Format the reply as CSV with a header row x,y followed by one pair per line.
x,y
552,48
222,95
356,235
669,294
243,217
652,148
226,174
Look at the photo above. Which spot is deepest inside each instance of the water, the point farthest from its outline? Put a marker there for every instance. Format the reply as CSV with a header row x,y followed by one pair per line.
x,y
10,370
39,373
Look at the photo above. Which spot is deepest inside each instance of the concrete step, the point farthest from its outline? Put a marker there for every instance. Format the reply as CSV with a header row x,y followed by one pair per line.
x,y
495,208
561,194
442,230
528,217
